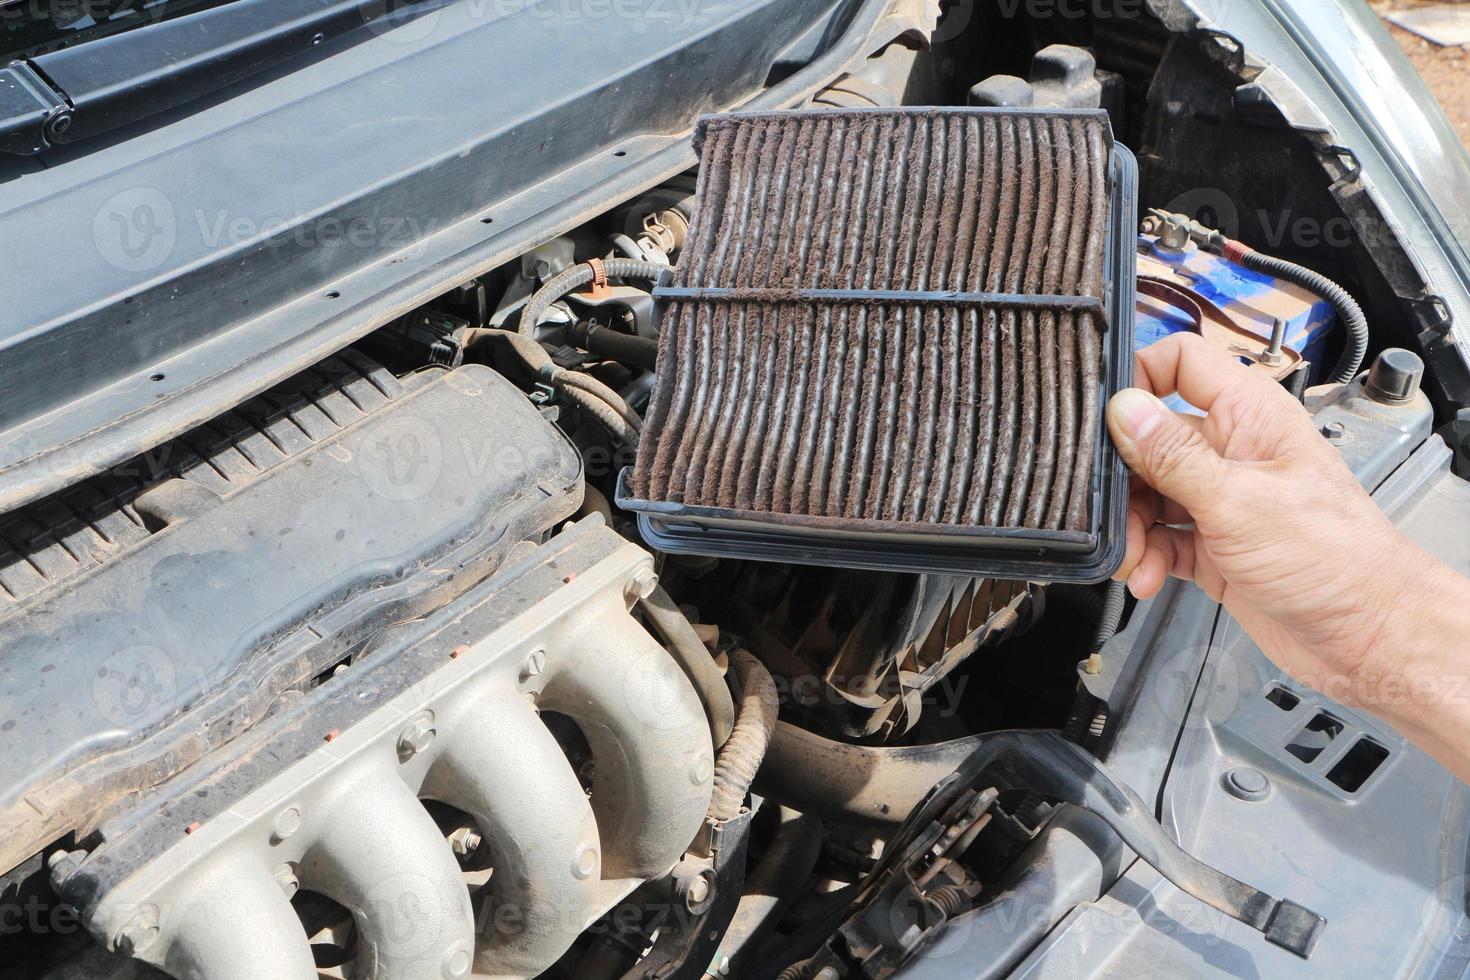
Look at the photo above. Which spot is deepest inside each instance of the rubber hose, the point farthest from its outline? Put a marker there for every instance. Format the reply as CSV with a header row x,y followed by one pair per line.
x,y
1354,322
616,345
741,756
604,414
1084,710
770,888
1111,616
605,404
574,278
685,647
855,784
562,378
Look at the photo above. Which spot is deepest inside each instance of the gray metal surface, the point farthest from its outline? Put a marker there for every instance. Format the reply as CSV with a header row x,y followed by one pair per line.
x,y
1187,697
233,244
1385,862
447,710
1372,436
124,675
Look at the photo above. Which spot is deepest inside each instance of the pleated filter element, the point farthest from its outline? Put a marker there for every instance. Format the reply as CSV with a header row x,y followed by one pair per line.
x,y
888,343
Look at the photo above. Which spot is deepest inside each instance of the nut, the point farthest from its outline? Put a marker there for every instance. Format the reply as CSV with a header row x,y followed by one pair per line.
x,y
465,841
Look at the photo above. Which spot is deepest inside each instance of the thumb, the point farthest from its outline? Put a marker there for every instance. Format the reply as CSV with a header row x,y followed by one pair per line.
x,y
1165,449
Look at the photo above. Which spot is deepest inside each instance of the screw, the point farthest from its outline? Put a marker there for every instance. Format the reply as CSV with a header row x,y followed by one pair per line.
x,y
286,878
827,973
287,822
1272,354
643,582
415,737
1335,431
535,663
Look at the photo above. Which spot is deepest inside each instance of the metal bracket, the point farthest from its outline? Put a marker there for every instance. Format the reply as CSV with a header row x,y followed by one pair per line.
x,y
30,110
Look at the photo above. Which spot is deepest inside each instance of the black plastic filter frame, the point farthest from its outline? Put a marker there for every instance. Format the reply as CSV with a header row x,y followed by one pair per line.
x,y
1002,552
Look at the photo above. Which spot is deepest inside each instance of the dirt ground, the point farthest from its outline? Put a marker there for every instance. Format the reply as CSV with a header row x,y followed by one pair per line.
x,y
1447,70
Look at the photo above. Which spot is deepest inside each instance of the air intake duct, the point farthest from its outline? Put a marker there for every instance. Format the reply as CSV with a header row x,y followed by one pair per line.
x,y
889,341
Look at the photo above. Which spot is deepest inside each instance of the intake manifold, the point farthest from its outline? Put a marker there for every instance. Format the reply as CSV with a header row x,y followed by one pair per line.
x,y
449,713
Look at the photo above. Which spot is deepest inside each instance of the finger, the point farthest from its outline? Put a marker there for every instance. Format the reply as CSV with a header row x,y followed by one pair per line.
x,y
1189,365
1169,552
1207,574
1171,455
1172,511
1153,507
1137,539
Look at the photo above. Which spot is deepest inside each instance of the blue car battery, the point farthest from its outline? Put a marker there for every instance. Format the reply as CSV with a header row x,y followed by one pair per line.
x,y
1252,300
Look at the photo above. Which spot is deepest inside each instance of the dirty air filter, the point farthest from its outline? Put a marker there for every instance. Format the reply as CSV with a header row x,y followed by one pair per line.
x,y
888,343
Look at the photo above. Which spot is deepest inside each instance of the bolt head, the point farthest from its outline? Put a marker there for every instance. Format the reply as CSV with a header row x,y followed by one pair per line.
x,y
698,890
535,663
584,863
287,879
287,822
415,737
457,963
643,582
138,933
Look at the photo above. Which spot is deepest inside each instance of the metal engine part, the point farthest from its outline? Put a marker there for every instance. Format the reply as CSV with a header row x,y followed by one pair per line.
x,y
121,676
325,796
860,650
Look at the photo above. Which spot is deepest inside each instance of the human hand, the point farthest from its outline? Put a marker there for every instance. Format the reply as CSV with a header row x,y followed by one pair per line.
x,y
1252,504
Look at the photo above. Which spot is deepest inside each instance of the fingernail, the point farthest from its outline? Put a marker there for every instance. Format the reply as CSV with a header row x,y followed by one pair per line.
x,y
1133,413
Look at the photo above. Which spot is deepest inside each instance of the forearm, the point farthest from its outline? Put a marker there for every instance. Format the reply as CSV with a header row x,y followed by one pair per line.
x,y
1417,676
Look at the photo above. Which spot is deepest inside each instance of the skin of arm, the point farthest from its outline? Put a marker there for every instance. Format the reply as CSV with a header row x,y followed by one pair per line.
x,y
1327,587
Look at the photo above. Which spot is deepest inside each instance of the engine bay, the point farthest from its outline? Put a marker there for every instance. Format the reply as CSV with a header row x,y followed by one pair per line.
x,y
653,605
